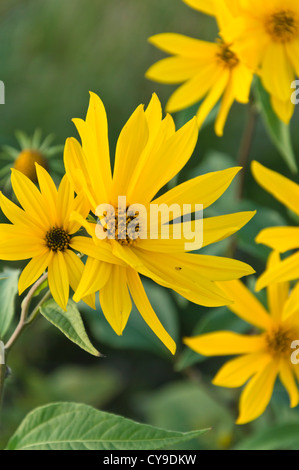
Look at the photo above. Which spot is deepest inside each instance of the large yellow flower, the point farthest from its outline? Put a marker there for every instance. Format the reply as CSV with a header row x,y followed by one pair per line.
x,y
266,36
210,71
263,356
280,239
43,231
149,153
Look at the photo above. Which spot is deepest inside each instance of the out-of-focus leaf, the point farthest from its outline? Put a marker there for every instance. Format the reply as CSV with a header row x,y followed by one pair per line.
x,y
277,437
278,132
137,335
184,405
70,323
71,426
8,291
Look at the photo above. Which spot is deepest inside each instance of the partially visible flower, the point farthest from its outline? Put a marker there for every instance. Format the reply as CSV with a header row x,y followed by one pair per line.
x,y
43,231
209,71
149,153
266,36
280,239
33,149
262,356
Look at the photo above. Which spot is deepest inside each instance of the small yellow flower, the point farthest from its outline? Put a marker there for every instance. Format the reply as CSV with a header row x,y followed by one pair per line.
x,y
280,239
149,153
43,231
263,356
208,71
33,149
266,36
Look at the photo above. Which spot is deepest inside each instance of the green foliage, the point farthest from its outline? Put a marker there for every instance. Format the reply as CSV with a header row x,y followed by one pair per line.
x,y
71,426
278,132
70,323
8,291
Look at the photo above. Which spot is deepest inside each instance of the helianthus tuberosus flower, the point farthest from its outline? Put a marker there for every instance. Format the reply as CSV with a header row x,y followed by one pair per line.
x,y
149,153
42,230
280,239
261,357
209,71
266,36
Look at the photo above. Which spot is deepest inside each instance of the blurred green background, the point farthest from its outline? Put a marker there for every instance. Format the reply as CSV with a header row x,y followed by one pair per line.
x,y
51,54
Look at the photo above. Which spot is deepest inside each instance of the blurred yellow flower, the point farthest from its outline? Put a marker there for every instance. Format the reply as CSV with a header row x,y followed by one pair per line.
x,y
208,71
149,153
266,36
43,231
280,239
263,356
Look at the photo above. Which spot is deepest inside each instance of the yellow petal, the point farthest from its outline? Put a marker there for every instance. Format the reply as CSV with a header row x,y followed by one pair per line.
x,y
277,294
143,305
213,97
17,243
291,305
195,88
115,299
131,142
257,394
49,192
34,270
204,189
174,69
95,275
65,199
29,197
288,380
286,270
292,48
283,109
75,269
237,371
220,227
59,279
282,188
245,304
102,251
280,239
17,216
205,6
179,44
226,104
242,78
223,343
277,71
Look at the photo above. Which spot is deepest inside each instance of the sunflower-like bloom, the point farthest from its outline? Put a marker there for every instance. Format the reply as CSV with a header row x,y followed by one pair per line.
x,y
263,356
42,230
266,35
280,239
208,71
149,153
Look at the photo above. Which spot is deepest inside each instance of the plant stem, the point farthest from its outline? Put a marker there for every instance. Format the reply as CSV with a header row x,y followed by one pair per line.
x,y
2,371
24,312
245,146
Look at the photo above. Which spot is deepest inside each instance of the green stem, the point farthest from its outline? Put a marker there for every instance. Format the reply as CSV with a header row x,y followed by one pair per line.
x,y
2,371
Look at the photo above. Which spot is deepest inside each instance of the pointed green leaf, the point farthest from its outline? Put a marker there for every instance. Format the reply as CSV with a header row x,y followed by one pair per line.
x,y
8,291
70,323
72,426
278,132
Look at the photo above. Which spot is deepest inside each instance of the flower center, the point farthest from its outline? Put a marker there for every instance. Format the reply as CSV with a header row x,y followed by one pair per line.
x,y
57,239
282,26
26,163
226,55
278,341
122,227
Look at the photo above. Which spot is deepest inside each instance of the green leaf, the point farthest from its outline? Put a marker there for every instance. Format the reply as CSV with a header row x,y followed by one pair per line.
x,y
72,426
70,323
277,437
278,132
8,291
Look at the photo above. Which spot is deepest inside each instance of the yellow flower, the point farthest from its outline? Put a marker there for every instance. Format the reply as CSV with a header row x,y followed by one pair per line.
x,y
266,36
263,356
43,231
280,239
208,71
149,153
